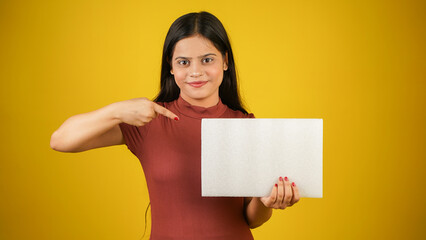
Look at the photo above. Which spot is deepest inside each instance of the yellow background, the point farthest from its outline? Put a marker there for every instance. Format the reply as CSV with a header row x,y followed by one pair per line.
x,y
359,65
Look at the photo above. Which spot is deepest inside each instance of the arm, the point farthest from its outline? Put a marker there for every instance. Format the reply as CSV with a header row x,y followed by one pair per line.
x,y
256,212
100,127
88,130
259,210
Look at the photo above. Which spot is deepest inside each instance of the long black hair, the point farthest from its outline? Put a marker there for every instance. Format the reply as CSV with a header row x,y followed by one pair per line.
x,y
208,26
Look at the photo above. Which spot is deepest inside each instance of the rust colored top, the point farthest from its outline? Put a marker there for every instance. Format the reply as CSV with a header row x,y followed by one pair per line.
x,y
170,155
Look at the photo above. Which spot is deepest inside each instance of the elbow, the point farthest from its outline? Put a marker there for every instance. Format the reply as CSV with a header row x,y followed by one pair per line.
x,y
251,226
256,225
63,144
56,143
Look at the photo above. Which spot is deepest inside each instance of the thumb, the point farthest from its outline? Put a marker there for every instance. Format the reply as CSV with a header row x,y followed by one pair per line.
x,y
165,112
270,200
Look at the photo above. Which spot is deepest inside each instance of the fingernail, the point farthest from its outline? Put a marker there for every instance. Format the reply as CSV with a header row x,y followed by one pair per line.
x,y
294,184
176,118
286,178
276,185
281,178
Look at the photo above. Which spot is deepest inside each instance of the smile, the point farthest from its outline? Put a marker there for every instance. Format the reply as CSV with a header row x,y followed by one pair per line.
x,y
197,84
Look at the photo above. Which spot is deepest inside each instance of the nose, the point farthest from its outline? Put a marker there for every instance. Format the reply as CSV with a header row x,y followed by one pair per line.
x,y
196,70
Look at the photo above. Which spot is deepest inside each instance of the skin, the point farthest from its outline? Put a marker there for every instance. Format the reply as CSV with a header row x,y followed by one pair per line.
x,y
194,59
258,210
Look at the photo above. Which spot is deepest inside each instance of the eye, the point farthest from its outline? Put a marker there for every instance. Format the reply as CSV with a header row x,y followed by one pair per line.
x,y
183,62
207,60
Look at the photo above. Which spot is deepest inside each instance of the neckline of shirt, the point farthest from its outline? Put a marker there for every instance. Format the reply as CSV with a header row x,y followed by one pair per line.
x,y
185,108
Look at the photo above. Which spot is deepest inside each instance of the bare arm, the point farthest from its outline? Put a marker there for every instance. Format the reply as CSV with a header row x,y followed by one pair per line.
x,y
88,130
259,210
100,128
256,212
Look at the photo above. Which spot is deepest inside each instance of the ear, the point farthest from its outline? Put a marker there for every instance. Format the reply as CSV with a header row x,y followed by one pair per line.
x,y
225,62
171,67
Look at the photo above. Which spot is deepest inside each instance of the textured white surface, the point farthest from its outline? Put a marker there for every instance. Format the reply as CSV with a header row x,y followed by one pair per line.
x,y
245,157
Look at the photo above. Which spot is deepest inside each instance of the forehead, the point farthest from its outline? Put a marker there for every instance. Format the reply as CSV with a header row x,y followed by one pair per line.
x,y
194,46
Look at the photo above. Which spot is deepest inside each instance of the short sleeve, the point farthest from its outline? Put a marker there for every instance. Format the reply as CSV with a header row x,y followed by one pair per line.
x,y
250,115
132,137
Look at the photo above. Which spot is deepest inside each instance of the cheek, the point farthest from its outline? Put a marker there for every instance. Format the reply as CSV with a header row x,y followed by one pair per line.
x,y
216,74
179,76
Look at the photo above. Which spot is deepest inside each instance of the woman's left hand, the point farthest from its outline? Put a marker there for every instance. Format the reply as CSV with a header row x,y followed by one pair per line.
x,y
284,194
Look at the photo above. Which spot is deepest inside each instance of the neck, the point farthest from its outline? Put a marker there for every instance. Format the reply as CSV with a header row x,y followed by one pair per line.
x,y
205,102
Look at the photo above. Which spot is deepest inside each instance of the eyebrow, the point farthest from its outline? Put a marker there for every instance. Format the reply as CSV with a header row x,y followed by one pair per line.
x,y
205,55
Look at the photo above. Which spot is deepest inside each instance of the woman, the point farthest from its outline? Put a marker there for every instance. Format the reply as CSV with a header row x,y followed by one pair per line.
x,y
198,80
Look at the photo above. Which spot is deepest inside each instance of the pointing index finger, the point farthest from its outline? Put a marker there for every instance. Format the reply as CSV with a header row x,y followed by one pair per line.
x,y
165,112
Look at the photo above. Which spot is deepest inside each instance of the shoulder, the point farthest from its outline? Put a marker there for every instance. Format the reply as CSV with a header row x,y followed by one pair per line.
x,y
237,114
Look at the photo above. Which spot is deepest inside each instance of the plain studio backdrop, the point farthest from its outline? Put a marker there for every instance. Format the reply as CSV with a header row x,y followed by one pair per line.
x,y
359,65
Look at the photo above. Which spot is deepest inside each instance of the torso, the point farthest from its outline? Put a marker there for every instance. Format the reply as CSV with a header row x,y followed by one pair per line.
x,y
170,154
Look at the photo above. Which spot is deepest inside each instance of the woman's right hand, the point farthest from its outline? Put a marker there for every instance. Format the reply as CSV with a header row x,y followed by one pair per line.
x,y
140,111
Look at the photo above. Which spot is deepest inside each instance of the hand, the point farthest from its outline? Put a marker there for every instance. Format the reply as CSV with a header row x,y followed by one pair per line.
x,y
140,111
284,194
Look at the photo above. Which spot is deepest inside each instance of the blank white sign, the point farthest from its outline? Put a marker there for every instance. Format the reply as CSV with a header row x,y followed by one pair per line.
x,y
245,157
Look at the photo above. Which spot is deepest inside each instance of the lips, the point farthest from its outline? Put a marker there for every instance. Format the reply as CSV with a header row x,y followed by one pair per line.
x,y
197,84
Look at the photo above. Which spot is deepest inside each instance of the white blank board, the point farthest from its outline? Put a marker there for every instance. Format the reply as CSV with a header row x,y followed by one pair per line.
x,y
245,157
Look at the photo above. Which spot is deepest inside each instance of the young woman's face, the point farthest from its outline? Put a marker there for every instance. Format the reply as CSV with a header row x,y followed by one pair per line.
x,y
198,68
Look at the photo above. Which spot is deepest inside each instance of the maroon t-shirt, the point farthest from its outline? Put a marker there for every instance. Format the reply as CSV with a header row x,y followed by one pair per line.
x,y
170,154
